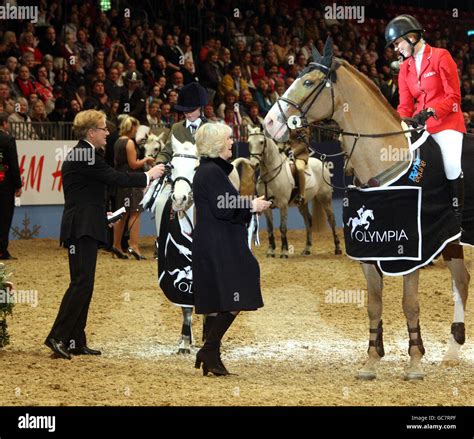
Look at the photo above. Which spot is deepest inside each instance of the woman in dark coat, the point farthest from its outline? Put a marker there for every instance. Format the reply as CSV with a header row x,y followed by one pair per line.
x,y
226,276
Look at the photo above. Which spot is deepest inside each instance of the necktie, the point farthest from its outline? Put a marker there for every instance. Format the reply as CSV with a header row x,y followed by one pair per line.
x,y
192,127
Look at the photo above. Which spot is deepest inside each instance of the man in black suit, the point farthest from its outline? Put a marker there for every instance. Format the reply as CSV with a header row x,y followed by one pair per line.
x,y
86,176
133,99
10,184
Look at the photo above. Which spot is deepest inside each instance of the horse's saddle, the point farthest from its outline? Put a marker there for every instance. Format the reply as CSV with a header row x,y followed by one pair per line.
x,y
310,178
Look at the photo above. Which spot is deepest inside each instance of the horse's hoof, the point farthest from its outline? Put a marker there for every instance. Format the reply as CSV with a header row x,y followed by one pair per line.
x,y
338,252
450,362
184,351
284,256
366,375
270,255
305,252
414,376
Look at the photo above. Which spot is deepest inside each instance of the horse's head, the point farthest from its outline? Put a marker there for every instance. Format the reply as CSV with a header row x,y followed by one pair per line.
x,y
154,144
184,163
309,99
256,139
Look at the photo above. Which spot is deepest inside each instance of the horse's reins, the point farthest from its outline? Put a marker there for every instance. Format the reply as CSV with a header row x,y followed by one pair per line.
x,y
327,81
259,156
173,183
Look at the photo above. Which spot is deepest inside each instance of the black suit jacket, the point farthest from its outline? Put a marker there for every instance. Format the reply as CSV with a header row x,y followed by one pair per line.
x,y
9,161
134,105
85,181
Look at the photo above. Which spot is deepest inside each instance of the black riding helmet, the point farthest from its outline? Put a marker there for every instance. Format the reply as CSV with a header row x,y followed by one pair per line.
x,y
400,27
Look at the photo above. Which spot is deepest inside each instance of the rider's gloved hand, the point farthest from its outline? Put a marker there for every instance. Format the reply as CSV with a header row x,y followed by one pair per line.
x,y
421,117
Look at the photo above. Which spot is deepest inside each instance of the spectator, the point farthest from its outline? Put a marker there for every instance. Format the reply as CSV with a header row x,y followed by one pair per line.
x,y
167,117
253,118
28,44
133,99
12,64
171,53
148,75
262,96
40,120
127,160
209,113
233,81
20,122
177,81
189,72
211,74
230,101
9,47
98,100
25,86
154,114
49,45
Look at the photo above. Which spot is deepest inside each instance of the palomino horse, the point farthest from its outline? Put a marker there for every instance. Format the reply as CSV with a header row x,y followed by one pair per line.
x,y
276,183
330,88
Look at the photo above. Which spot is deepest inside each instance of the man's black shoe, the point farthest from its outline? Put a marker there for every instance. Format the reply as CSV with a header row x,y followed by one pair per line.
x,y
84,350
58,347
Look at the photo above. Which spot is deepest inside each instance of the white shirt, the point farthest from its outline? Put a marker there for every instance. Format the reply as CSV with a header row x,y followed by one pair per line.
x,y
197,123
418,59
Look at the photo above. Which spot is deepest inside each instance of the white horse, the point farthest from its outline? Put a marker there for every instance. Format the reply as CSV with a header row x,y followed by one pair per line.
x,y
276,182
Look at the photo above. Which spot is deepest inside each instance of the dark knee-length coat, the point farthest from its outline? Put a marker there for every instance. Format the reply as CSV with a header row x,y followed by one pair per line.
x,y
226,275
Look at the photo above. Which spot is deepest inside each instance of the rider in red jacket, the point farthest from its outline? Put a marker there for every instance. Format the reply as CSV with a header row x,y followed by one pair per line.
x,y
430,94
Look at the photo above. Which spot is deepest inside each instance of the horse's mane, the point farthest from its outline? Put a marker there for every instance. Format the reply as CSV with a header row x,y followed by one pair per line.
x,y
371,86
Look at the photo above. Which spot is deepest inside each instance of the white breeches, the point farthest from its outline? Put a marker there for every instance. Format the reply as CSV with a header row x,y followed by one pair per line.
x,y
450,142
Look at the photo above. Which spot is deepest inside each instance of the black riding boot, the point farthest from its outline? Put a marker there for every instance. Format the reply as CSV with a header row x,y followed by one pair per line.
x,y
209,355
456,195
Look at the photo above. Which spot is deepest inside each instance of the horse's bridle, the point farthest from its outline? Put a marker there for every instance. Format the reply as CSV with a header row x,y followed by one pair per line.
x,y
326,82
259,157
186,180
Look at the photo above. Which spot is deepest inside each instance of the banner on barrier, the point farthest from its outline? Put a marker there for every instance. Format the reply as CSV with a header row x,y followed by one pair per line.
x,y
40,169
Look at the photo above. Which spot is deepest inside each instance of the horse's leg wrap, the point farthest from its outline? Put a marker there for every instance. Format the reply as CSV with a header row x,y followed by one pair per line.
x,y
378,342
459,332
415,341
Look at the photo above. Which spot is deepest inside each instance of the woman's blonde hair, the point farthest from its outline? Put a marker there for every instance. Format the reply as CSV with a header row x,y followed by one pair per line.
x,y
211,139
85,120
127,124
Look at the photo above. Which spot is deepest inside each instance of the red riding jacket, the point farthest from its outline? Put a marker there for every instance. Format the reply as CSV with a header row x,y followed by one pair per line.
x,y
437,87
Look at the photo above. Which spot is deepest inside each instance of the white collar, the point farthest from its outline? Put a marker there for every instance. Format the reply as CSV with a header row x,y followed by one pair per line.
x,y
196,123
419,54
85,140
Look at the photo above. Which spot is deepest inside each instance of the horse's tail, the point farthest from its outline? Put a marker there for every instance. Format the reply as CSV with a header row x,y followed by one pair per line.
x,y
319,216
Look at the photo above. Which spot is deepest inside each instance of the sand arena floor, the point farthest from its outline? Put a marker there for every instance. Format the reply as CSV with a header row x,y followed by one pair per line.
x,y
300,349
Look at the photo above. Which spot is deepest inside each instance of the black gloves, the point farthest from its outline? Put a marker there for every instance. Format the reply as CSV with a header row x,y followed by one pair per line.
x,y
421,117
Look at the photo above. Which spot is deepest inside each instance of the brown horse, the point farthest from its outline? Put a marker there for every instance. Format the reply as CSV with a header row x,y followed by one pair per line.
x,y
330,88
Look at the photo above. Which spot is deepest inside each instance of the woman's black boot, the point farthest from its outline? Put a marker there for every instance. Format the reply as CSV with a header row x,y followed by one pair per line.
x,y
209,354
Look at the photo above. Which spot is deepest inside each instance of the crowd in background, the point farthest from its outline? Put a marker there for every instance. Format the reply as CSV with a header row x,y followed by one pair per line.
x,y
246,53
